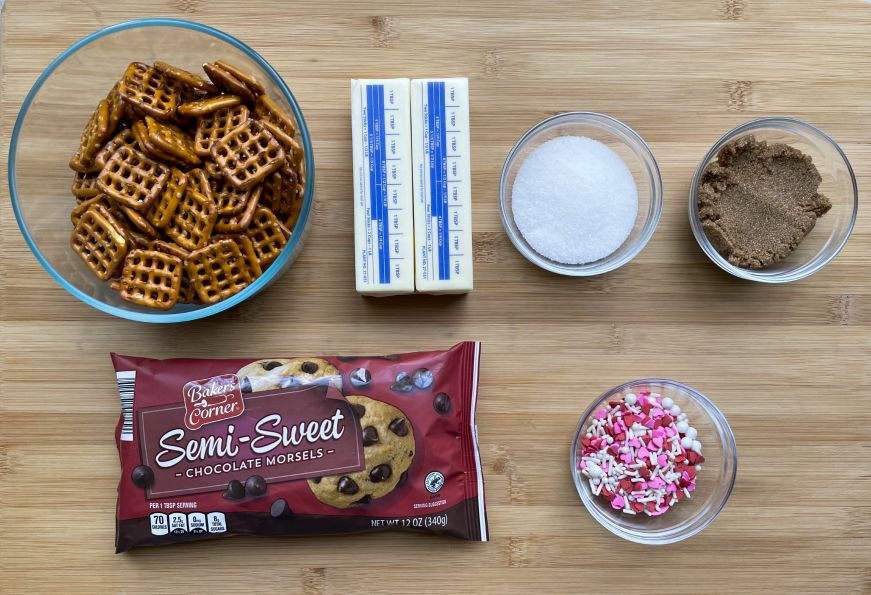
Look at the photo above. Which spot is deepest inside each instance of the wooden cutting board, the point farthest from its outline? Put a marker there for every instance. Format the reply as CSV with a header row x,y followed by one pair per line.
x,y
788,365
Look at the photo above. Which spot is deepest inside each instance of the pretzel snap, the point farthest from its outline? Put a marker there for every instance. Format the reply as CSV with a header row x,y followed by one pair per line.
x,y
188,79
98,240
267,236
172,141
209,105
132,179
248,154
213,127
151,278
150,90
218,271
163,209
191,225
239,222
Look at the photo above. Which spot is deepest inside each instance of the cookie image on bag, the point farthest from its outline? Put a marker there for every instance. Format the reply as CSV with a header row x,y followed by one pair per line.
x,y
271,374
388,448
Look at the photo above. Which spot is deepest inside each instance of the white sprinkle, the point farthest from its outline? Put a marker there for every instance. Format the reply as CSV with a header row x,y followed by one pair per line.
x,y
675,410
692,433
697,446
698,468
594,470
686,442
681,427
630,399
667,403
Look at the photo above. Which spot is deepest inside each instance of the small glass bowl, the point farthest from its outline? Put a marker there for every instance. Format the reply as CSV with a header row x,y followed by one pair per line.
x,y
831,231
715,480
621,139
48,129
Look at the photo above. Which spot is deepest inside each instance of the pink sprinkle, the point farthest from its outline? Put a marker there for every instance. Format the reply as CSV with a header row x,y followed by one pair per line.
x,y
656,412
649,423
662,460
643,453
671,488
583,464
618,502
619,427
635,443
657,442
662,510
626,457
656,483
658,433
601,413
670,432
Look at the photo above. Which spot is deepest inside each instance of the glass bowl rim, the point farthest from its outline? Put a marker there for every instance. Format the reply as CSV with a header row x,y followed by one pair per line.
x,y
198,313
665,536
657,192
788,125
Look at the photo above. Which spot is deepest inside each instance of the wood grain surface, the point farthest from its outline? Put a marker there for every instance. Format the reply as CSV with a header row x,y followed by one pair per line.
x,y
788,365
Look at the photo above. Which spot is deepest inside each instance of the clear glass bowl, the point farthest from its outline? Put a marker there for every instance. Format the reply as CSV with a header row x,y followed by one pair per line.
x,y
47,133
831,231
715,480
622,140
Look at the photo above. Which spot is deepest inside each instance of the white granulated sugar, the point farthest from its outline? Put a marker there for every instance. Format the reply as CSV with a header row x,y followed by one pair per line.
x,y
574,200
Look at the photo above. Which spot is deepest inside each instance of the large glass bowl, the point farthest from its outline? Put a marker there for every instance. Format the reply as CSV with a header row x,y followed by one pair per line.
x,y
714,483
47,133
621,139
831,231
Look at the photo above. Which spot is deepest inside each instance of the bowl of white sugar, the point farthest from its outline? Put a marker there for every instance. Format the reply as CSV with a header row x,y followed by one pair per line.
x,y
580,194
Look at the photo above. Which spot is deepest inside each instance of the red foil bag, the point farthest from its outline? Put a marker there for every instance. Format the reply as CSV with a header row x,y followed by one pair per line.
x,y
298,446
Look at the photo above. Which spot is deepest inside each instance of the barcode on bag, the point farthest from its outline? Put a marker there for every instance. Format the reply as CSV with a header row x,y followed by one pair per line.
x,y
126,385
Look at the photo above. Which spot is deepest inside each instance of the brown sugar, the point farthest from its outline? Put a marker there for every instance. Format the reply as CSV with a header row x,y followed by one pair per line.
x,y
757,202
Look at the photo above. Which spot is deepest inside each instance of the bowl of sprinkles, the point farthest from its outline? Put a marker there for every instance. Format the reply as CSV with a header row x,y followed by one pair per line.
x,y
654,461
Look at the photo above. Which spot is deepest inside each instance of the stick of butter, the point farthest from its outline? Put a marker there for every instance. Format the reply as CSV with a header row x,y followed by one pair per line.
x,y
442,188
383,220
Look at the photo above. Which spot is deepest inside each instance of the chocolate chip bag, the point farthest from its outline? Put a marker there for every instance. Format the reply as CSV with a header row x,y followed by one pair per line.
x,y
298,446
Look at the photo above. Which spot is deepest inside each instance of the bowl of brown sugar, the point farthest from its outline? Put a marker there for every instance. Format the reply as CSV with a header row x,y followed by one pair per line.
x,y
774,200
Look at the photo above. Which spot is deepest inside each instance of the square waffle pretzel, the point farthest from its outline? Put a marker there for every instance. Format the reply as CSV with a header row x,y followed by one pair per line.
x,y
132,179
218,271
163,208
187,79
169,248
117,108
124,138
172,140
85,185
207,106
280,124
240,221
267,236
230,200
139,221
248,154
228,81
143,141
93,136
81,208
150,90
191,226
186,293
212,170
151,278
98,240
247,248
213,127
199,181
247,78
